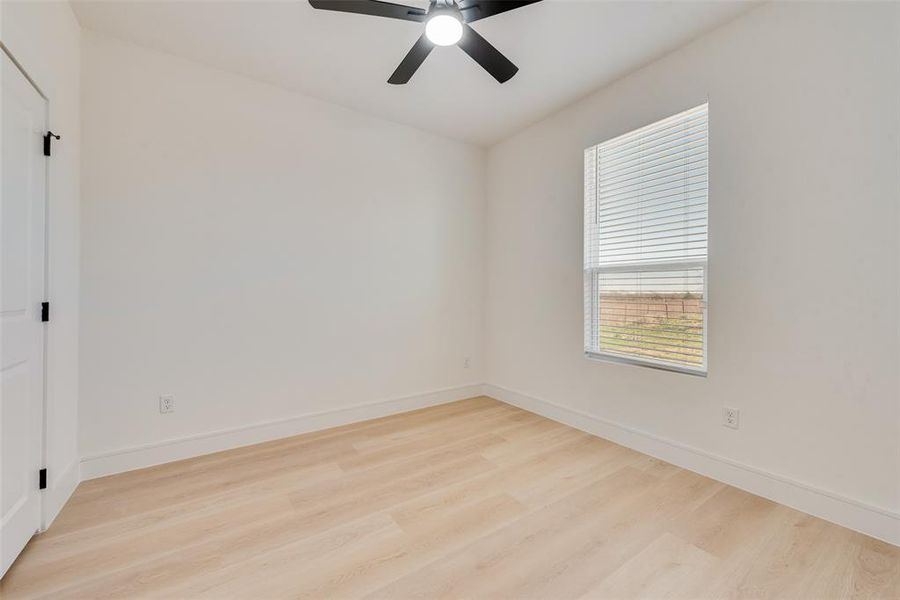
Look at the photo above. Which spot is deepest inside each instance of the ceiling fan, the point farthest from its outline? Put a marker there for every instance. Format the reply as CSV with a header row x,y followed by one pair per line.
x,y
446,24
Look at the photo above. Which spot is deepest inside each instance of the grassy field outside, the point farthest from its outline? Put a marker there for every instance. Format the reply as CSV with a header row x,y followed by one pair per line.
x,y
662,326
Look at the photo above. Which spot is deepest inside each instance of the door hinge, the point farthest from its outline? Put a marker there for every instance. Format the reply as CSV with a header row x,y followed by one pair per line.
x,y
47,137
45,312
42,476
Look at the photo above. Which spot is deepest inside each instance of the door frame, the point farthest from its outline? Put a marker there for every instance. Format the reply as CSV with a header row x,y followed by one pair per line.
x,y
45,284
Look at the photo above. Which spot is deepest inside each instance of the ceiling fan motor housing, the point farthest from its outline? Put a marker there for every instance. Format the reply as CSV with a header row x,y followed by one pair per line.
x,y
446,7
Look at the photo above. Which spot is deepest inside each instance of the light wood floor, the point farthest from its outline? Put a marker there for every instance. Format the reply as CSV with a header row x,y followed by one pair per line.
x,y
472,499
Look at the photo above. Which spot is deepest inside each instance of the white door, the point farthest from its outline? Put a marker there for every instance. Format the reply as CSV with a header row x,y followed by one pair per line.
x,y
22,184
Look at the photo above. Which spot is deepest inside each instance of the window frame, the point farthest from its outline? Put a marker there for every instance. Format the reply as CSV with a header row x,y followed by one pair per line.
x,y
592,302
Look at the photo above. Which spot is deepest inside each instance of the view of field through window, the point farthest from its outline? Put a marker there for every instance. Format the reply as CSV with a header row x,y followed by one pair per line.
x,y
656,314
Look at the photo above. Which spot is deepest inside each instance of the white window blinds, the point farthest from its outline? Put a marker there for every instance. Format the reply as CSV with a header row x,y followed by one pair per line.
x,y
645,244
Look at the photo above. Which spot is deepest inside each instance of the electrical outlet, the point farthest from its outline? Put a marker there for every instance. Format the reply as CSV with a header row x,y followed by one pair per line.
x,y
731,417
166,404
466,363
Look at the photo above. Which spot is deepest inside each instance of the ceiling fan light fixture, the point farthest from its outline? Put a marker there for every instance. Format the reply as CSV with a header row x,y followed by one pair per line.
x,y
443,30
445,25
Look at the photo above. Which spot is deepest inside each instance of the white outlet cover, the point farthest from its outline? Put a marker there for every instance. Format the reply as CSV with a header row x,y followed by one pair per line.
x,y
731,417
166,404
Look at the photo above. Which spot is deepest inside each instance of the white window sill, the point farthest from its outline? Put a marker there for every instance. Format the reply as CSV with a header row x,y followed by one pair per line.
x,y
643,362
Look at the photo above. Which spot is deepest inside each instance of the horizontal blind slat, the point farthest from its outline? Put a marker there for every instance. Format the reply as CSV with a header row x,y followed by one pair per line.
x,y
693,183
677,146
651,256
637,247
664,352
695,207
649,135
680,173
675,201
635,339
686,187
639,168
693,331
650,143
700,219
646,235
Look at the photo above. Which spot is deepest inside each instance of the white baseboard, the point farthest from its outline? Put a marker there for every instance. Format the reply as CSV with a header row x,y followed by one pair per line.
x,y
148,455
877,522
59,490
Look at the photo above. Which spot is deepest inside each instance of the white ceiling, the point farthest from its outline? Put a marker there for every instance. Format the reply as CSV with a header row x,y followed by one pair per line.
x,y
564,50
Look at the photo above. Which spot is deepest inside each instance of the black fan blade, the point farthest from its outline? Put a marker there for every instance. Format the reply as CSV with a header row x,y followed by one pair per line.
x,y
412,61
375,8
473,10
486,55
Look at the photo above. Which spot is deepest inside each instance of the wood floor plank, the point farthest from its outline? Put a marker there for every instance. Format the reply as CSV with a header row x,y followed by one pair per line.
x,y
369,568
470,499
182,515
516,551
616,531
533,468
287,567
668,567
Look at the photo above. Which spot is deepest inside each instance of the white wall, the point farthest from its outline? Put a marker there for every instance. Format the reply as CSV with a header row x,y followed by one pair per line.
x,y
45,39
803,300
263,256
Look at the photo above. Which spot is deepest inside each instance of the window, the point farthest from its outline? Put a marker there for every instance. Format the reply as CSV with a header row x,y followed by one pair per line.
x,y
645,231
